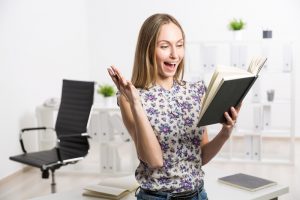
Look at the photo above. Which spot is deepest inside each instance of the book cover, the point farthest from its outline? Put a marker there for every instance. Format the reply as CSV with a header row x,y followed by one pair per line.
x,y
112,188
228,87
246,182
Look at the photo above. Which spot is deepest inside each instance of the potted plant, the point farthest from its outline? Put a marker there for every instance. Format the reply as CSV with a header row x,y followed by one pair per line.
x,y
237,25
107,91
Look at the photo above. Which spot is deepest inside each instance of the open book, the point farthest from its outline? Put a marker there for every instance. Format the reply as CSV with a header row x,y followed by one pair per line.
x,y
228,86
246,182
112,188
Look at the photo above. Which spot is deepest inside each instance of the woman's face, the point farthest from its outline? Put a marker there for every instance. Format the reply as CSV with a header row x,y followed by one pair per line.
x,y
169,50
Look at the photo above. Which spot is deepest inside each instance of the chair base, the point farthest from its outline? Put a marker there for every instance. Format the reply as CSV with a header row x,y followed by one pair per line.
x,y
53,184
45,175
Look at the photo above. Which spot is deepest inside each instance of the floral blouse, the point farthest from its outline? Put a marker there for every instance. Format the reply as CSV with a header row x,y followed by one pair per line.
x,y
173,115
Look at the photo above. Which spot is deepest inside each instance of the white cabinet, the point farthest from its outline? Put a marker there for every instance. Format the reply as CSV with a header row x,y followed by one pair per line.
x,y
266,126
117,151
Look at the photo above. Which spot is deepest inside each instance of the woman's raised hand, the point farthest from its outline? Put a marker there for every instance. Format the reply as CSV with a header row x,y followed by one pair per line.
x,y
124,86
115,76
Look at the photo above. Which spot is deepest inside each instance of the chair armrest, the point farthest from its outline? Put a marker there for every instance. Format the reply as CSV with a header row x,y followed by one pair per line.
x,y
27,130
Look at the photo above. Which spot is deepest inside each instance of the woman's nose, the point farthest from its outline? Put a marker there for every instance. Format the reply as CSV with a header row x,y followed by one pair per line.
x,y
173,53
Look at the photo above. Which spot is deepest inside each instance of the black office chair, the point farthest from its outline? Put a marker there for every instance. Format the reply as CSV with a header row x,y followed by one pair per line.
x,y
71,130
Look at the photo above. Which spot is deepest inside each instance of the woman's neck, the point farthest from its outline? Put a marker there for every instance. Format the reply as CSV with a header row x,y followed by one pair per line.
x,y
166,83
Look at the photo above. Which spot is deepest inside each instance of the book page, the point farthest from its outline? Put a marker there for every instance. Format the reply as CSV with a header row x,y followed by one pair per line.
x,y
256,65
105,189
112,187
104,195
216,77
210,93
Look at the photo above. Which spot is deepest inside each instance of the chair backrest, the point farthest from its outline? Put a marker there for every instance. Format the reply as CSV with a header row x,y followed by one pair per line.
x,y
72,118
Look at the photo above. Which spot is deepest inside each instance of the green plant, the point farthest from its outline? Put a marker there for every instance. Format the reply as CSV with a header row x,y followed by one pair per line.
x,y
236,25
106,90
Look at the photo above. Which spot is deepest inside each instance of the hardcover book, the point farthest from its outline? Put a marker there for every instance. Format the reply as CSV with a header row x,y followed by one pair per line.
x,y
247,182
228,87
112,188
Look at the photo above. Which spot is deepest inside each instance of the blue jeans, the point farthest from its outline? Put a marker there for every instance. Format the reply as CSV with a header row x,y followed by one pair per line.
x,y
141,195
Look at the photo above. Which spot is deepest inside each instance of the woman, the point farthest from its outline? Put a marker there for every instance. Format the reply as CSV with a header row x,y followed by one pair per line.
x,y
161,112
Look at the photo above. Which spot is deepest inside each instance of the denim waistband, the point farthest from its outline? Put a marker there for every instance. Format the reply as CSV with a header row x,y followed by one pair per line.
x,y
175,196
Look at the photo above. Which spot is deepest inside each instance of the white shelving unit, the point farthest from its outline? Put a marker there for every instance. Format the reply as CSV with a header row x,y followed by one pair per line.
x,y
117,151
266,127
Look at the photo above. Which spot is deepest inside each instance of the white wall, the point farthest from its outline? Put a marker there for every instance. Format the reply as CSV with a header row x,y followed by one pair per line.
x,y
114,26
43,41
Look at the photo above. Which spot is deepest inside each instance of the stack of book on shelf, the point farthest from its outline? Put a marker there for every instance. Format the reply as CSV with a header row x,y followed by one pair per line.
x,y
112,188
247,182
228,86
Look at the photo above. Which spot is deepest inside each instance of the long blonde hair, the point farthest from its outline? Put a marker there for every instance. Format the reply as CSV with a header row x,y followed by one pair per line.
x,y
144,72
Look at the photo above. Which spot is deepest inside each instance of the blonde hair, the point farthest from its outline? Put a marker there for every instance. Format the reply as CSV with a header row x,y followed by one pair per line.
x,y
144,72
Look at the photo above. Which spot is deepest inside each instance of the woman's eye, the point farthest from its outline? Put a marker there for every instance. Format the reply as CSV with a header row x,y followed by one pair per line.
x,y
164,46
179,45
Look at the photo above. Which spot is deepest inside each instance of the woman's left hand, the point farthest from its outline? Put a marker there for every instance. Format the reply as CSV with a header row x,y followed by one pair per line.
x,y
231,119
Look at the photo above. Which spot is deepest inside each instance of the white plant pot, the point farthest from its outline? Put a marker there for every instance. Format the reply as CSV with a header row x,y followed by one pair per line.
x,y
109,101
237,35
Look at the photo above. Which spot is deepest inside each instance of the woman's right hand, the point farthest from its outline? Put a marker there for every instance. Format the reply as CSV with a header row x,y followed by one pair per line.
x,y
125,87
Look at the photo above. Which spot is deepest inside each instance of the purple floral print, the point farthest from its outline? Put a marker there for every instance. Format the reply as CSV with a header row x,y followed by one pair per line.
x,y
173,114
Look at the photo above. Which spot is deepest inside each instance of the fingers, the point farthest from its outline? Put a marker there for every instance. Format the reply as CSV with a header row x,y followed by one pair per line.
x,y
125,87
234,113
231,119
122,84
118,75
114,78
113,74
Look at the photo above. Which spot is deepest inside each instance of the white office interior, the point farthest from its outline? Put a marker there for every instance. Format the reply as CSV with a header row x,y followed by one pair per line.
x,y
43,42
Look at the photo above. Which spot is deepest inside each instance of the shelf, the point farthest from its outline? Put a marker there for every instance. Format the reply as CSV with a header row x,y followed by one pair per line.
x,y
270,103
276,133
248,161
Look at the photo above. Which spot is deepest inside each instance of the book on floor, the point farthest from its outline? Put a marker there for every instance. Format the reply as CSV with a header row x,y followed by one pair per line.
x,y
228,87
247,182
112,188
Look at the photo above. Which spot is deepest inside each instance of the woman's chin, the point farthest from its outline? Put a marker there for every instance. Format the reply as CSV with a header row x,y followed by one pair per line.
x,y
170,72
169,75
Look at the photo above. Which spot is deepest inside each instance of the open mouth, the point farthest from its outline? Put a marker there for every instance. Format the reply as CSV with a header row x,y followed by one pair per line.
x,y
170,65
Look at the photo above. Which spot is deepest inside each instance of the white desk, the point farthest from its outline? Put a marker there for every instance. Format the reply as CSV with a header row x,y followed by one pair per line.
x,y
215,191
